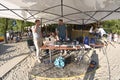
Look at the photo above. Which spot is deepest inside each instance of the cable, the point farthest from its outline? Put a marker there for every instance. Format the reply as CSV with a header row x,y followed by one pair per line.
x,y
108,65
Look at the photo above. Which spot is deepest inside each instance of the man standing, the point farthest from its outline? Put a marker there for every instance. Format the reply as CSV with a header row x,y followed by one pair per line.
x,y
101,31
61,31
37,38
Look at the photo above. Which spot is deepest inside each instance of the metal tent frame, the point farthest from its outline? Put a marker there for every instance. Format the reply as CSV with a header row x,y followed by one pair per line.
x,y
90,18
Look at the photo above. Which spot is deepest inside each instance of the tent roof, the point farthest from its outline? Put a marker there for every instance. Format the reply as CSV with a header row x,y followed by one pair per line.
x,y
71,11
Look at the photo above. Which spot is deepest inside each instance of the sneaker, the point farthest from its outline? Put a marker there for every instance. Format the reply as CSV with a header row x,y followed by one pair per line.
x,y
61,54
40,57
38,60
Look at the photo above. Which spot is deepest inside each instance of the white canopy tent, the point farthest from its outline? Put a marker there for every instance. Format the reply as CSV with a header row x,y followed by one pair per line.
x,y
71,11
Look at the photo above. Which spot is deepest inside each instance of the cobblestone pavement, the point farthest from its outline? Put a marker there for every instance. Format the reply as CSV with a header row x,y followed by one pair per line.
x,y
109,70
104,72
11,50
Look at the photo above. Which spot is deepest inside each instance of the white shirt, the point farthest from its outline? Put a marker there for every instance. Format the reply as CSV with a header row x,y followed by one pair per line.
x,y
36,35
109,37
102,31
8,34
91,30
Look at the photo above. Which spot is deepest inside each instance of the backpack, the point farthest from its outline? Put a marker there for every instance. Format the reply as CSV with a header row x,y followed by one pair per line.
x,y
59,62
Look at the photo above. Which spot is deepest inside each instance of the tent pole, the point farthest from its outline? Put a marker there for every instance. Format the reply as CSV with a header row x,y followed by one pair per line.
x,y
109,14
81,12
82,26
43,10
48,20
41,21
61,8
12,11
91,17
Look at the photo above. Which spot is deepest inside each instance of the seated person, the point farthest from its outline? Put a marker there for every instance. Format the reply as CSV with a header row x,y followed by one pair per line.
x,y
49,41
101,31
53,37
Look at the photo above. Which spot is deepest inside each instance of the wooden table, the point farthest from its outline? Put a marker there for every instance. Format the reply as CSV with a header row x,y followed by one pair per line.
x,y
97,45
65,47
58,47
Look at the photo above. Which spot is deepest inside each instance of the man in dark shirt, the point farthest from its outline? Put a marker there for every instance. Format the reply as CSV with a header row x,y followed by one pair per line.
x,y
61,31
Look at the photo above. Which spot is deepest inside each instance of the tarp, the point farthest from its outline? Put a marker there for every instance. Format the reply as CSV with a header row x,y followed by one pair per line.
x,y
71,11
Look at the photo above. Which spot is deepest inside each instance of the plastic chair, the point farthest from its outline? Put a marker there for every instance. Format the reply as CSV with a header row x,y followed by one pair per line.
x,y
92,40
86,40
80,39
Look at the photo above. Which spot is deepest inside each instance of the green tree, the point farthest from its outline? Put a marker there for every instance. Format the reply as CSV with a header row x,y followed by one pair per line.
x,y
27,24
20,24
4,27
112,26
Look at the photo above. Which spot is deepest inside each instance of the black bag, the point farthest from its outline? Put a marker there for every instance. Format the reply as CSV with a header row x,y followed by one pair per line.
x,y
31,45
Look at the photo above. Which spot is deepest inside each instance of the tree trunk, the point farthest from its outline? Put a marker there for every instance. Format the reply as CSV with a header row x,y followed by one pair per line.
x,y
6,27
22,26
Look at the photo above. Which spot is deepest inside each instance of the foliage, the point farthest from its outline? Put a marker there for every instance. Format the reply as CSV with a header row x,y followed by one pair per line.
x,y
112,26
16,25
51,27
11,24
2,25
27,24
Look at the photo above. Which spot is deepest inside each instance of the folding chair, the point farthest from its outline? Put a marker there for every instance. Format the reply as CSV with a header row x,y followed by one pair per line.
x,y
30,44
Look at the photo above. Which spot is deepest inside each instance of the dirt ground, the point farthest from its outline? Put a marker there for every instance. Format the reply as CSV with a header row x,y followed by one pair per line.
x,y
72,67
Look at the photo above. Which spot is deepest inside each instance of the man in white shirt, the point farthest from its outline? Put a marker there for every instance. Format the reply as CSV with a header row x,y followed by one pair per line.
x,y
91,30
37,38
101,31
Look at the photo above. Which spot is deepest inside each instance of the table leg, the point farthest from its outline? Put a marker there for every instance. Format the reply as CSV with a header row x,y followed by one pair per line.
x,y
65,52
50,53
